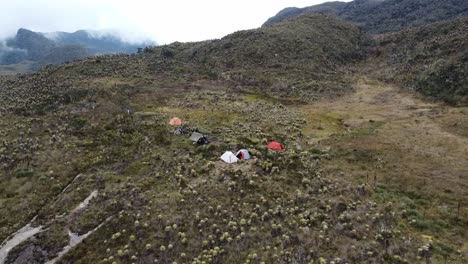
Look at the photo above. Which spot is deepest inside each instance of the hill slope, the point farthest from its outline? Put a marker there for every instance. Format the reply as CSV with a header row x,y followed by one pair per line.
x,y
284,60
432,60
380,16
301,58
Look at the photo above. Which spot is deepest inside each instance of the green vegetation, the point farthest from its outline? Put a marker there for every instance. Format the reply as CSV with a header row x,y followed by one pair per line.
x,y
301,59
431,60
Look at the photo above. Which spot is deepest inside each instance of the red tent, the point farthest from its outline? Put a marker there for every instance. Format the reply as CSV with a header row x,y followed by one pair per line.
x,y
275,146
175,121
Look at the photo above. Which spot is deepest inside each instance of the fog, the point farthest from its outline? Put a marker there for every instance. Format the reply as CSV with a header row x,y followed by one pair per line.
x,y
140,20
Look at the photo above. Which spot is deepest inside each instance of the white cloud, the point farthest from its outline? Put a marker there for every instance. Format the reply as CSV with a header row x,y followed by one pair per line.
x,y
163,21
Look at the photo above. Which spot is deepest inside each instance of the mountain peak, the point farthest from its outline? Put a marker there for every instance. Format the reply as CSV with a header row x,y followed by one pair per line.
x,y
24,30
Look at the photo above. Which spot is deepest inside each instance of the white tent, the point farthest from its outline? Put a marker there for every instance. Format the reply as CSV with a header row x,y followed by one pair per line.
x,y
229,157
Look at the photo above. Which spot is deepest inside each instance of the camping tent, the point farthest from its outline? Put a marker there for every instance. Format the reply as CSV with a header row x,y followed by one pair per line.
x,y
195,136
175,121
199,138
243,154
229,157
275,146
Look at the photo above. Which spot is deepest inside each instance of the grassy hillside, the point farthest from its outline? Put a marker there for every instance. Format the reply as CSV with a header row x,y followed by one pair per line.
x,y
331,8
301,58
432,60
87,157
380,16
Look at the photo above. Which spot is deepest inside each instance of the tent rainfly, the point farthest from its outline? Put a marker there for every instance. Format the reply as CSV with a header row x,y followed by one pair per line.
x,y
175,121
275,146
229,157
243,154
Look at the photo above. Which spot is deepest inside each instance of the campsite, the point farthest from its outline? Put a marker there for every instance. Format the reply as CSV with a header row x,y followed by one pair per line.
x,y
201,139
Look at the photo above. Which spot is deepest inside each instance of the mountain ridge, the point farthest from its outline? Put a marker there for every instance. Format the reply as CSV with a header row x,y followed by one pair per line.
x,y
59,47
380,16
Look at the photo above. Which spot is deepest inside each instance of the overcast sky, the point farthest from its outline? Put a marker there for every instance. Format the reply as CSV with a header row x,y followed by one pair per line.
x,y
161,21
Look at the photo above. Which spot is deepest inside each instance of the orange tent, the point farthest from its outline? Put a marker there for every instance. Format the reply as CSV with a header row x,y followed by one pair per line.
x,y
175,121
275,146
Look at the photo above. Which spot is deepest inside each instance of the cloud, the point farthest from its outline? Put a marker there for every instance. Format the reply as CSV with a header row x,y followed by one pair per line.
x,y
138,20
5,51
52,15
5,48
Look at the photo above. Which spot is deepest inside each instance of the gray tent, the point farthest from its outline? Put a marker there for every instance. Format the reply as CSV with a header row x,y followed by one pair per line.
x,y
196,136
199,138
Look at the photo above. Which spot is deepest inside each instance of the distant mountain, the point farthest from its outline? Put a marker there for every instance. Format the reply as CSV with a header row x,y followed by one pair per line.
x,y
59,47
96,42
35,44
380,16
